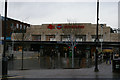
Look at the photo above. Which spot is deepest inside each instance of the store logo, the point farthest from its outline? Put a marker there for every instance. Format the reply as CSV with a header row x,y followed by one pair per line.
x,y
59,26
50,26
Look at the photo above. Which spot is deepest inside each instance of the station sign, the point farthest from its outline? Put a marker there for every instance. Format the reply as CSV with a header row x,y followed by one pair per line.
x,y
60,26
73,26
50,26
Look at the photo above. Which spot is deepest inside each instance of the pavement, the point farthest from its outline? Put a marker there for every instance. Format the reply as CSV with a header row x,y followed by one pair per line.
x,y
105,72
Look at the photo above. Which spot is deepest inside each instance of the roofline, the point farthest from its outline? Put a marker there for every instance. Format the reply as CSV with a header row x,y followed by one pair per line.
x,y
16,20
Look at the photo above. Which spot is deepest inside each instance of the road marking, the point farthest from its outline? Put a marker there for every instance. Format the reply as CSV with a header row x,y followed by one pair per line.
x,y
13,77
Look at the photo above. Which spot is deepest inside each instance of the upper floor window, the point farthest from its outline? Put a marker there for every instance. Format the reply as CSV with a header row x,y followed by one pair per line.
x,y
17,25
24,27
20,26
12,25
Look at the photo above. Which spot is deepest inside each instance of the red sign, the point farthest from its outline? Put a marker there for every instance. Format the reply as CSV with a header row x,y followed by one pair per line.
x,y
73,26
50,26
59,26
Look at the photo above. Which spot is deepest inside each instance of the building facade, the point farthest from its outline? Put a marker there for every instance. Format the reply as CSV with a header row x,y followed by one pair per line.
x,y
81,32
13,26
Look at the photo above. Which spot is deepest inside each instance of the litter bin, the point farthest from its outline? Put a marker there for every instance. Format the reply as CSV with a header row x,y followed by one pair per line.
x,y
116,65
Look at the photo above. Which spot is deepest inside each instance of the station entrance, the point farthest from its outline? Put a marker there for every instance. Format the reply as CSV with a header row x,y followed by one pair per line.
x,y
47,55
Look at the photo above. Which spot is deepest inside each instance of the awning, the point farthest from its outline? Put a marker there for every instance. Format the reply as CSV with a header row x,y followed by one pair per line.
x,y
107,50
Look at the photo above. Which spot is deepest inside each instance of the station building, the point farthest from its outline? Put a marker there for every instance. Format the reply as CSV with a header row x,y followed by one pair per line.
x,y
60,37
81,32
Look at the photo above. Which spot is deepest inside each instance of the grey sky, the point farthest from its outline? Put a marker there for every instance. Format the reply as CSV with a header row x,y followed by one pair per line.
x,y
62,0
58,12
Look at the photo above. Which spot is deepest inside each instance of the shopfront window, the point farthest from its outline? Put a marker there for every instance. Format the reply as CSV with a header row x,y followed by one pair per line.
x,y
65,37
99,37
50,38
36,37
80,38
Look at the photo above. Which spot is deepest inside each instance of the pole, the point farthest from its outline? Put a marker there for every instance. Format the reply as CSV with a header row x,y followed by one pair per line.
x,y
4,58
101,35
72,55
13,44
96,53
22,50
101,38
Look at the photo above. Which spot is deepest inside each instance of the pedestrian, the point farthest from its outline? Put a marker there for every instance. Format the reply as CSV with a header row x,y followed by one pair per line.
x,y
80,58
108,58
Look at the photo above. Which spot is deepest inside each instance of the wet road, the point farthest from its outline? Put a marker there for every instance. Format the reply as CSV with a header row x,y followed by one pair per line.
x,y
49,63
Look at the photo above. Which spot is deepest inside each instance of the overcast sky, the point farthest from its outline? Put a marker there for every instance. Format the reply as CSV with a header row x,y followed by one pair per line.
x,y
62,11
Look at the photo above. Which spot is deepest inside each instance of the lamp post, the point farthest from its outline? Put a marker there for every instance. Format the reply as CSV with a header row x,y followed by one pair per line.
x,y
96,41
101,35
22,51
4,58
13,42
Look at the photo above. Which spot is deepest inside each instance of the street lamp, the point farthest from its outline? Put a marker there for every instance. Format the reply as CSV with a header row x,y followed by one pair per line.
x,y
4,58
101,35
97,40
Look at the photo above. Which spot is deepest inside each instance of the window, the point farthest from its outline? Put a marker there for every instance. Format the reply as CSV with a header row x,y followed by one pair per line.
x,y
36,37
17,26
80,38
65,37
27,26
99,37
24,27
50,38
20,26
93,38
12,25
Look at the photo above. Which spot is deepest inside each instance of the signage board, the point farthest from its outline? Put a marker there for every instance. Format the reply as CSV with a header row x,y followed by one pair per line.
x,y
60,26
50,26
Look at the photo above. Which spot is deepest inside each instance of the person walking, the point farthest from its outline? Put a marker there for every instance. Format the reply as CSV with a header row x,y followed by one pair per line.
x,y
108,58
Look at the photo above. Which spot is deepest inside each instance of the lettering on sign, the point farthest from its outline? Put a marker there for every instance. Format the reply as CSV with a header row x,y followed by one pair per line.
x,y
59,26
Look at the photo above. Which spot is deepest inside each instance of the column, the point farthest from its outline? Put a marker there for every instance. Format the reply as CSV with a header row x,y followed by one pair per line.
x,y
43,37
58,37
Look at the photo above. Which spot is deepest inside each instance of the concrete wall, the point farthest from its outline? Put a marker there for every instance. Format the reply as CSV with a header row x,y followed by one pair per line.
x,y
114,37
